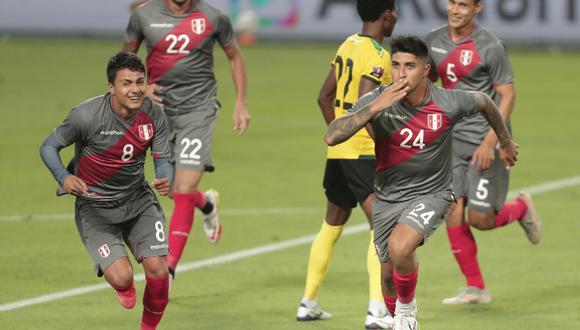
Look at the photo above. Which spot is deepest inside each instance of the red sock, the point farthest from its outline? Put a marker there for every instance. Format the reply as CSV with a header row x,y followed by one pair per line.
x,y
155,299
200,199
405,285
391,302
510,212
127,297
464,250
180,226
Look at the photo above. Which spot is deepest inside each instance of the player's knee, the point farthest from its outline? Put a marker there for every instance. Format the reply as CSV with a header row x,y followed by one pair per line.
x,y
155,267
400,251
184,187
120,279
455,216
481,220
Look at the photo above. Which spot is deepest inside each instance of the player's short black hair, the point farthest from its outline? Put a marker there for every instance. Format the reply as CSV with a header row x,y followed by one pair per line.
x,y
370,10
410,44
123,60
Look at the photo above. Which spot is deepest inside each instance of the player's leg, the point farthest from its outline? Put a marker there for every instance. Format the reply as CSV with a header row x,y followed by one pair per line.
x,y
360,175
461,239
487,209
145,234
104,244
340,202
156,295
419,219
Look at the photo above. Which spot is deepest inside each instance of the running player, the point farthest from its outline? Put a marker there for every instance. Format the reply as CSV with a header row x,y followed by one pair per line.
x,y
114,203
467,56
360,65
412,123
180,35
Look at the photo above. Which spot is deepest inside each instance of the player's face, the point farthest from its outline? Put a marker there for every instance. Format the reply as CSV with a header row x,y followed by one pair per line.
x,y
128,89
461,13
410,67
390,21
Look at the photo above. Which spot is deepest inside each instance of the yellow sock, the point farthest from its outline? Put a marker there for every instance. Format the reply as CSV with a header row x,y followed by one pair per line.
x,y
374,270
320,255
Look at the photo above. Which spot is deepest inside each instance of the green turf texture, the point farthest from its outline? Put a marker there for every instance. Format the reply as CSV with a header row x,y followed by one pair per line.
x,y
278,164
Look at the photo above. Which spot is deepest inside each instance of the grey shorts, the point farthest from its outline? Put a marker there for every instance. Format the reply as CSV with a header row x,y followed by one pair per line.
x,y
104,226
190,139
485,191
424,214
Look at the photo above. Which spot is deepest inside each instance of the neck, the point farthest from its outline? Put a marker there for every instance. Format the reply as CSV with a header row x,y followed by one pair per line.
x,y
374,30
178,9
121,111
418,95
461,32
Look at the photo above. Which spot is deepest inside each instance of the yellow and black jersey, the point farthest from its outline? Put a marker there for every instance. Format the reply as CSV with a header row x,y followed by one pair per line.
x,y
359,57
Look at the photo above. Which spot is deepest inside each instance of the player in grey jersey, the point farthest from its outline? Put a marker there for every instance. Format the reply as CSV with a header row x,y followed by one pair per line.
x,y
180,35
412,123
464,55
115,205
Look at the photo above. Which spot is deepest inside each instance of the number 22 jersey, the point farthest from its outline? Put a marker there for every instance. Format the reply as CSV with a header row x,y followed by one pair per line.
x,y
359,57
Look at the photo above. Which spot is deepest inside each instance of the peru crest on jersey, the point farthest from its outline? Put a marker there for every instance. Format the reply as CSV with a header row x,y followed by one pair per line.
x,y
145,132
466,57
434,121
198,25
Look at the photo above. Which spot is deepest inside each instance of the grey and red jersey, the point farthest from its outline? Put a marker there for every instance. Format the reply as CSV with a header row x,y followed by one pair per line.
x,y
477,62
180,51
413,144
109,151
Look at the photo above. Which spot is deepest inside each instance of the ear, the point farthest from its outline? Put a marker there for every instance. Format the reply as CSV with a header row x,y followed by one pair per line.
x,y
111,89
479,7
427,70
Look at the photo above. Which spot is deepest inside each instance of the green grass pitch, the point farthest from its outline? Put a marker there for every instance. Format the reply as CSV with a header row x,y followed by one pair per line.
x,y
277,165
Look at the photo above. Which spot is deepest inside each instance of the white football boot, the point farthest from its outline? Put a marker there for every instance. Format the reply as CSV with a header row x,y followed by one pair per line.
x,y
406,316
312,313
531,222
469,295
211,222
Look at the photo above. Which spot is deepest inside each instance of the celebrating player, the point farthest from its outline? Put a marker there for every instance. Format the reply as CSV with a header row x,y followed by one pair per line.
x,y
412,123
180,35
467,56
114,203
360,65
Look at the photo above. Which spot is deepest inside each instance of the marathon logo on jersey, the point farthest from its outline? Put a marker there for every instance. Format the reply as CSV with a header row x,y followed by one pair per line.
x,y
434,121
465,57
378,72
104,251
146,132
198,25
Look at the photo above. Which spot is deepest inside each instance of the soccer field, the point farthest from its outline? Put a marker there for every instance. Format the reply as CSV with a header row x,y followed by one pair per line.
x,y
270,188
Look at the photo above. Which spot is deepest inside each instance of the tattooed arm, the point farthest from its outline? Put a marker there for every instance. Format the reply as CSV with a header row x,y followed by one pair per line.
x,y
508,149
341,129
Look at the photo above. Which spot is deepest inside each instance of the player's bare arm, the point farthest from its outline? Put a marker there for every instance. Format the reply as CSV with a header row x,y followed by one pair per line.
x,y
326,97
484,154
343,128
240,116
508,149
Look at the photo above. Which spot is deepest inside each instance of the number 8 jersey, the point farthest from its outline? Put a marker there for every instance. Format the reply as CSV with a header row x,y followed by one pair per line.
x,y
109,151
359,57
180,51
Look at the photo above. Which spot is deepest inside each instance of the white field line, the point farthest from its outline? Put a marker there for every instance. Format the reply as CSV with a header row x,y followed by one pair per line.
x,y
264,249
